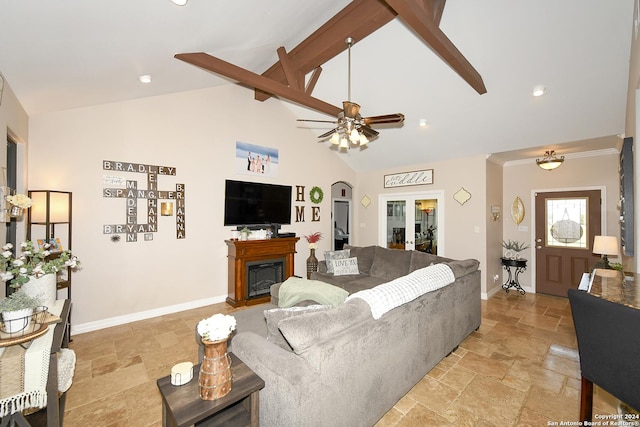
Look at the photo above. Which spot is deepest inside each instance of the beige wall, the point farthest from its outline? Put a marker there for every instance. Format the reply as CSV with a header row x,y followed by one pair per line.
x,y
633,263
524,179
14,122
195,132
466,225
493,249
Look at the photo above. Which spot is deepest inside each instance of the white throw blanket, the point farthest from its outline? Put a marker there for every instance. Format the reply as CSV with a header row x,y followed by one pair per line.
x,y
36,371
393,294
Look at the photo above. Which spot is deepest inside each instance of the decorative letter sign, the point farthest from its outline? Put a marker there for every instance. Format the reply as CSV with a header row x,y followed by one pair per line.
x,y
132,194
404,179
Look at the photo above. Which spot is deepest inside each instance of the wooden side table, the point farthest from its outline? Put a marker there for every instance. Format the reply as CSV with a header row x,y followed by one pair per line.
x,y
182,406
520,265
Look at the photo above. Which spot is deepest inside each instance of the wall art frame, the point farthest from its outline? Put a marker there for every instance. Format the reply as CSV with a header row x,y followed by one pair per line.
x,y
404,179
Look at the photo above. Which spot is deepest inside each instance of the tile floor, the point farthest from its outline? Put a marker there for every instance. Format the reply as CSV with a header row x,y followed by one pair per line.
x,y
519,369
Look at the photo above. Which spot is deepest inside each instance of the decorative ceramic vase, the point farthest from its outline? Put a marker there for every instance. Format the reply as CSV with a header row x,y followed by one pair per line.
x,y
312,263
16,321
215,372
43,288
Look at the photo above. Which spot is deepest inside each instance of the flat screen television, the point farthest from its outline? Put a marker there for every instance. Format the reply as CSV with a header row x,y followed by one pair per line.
x,y
253,203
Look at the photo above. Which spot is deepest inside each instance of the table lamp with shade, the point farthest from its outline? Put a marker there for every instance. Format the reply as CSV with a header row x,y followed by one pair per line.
x,y
605,246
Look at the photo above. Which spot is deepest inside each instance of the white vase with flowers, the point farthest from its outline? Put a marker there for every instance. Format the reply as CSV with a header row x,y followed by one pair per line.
x,y
34,269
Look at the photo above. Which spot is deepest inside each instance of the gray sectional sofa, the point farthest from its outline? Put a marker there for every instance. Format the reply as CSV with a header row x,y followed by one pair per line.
x,y
341,367
376,265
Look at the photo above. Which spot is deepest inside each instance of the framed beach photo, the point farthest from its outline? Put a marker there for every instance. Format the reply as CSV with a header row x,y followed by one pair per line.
x,y
256,160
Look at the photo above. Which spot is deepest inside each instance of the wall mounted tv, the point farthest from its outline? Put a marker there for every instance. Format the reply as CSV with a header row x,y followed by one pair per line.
x,y
253,203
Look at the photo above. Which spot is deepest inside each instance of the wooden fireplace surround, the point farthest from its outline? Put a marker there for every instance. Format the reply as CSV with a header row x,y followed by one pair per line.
x,y
243,251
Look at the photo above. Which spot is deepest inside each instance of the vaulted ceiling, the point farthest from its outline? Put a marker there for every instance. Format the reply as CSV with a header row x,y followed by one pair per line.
x,y
61,55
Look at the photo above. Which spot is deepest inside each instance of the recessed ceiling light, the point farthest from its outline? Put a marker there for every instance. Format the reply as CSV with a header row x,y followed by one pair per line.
x,y
146,78
538,90
423,123
179,2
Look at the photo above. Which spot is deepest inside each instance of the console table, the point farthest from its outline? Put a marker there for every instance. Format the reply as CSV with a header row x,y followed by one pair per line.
x,y
607,324
520,265
182,406
242,252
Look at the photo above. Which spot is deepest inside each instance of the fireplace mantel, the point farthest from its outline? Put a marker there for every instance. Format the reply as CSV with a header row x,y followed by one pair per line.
x,y
243,251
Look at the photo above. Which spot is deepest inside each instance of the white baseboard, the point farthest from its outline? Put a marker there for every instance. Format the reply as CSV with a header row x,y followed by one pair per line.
x,y
142,315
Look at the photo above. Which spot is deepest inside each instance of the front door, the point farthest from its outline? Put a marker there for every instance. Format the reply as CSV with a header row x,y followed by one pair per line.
x,y
566,223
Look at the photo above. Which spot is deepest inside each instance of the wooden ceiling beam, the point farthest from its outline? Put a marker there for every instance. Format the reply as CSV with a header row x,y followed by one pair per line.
x,y
413,14
315,75
290,74
253,80
358,19
286,78
434,8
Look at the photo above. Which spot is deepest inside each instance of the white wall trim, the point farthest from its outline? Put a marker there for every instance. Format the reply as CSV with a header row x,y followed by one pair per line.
x,y
142,315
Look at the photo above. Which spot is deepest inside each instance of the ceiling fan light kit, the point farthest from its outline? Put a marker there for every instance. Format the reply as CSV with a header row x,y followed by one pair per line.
x,y
550,161
352,130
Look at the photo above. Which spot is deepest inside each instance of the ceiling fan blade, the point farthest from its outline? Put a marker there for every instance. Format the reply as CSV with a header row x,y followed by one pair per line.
x,y
351,109
386,118
328,134
317,121
368,132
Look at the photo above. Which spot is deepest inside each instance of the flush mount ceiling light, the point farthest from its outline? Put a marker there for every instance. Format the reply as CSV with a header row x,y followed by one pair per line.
x,y
423,123
146,78
550,161
179,2
538,90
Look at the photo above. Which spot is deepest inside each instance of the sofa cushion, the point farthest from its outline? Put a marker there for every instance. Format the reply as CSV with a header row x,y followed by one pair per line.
x,y
275,315
365,256
301,332
331,255
296,289
345,267
390,263
422,259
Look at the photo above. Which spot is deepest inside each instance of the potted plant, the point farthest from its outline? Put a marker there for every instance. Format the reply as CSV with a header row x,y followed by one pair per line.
x,y
19,202
312,261
215,372
16,311
28,268
513,248
244,233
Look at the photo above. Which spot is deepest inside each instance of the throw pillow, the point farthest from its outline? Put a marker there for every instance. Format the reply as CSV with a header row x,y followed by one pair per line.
x,y
275,315
331,255
344,267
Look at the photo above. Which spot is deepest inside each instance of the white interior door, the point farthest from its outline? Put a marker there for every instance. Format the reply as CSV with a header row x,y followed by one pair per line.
x,y
412,221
